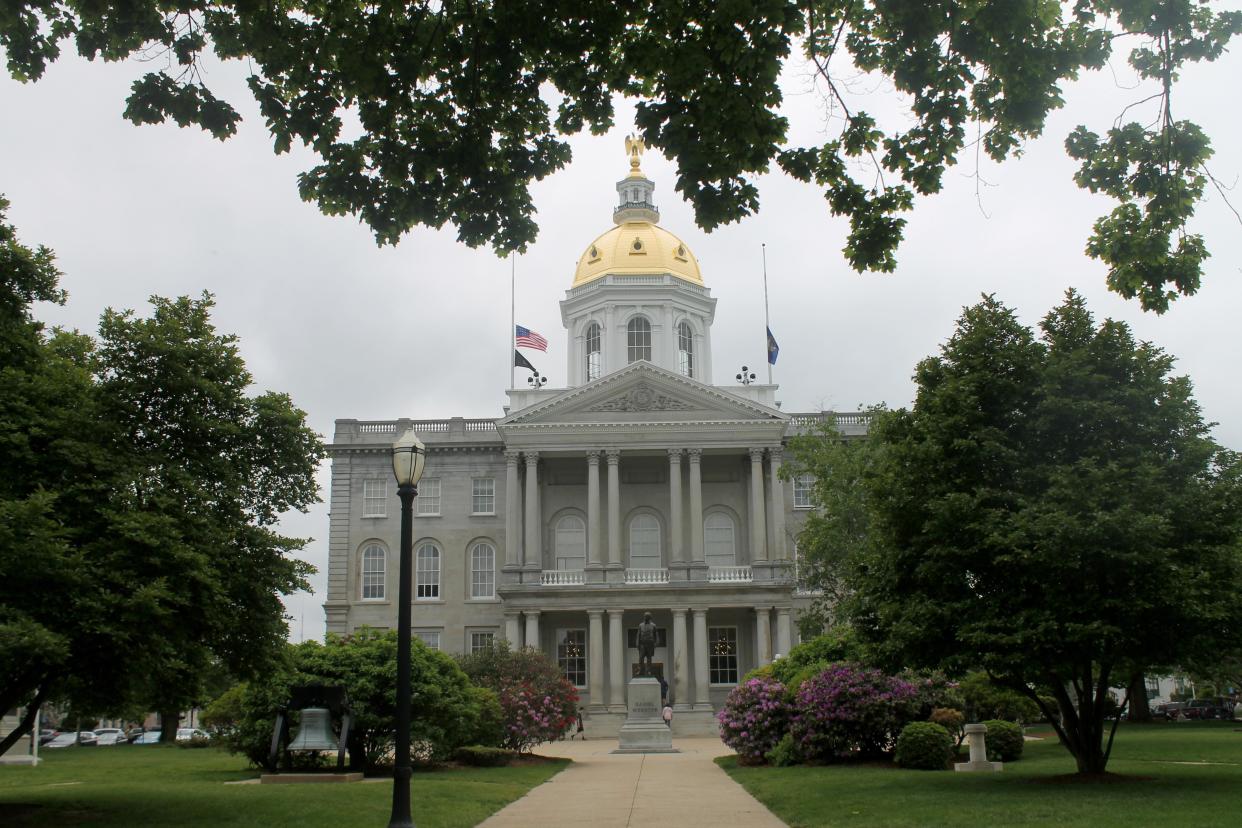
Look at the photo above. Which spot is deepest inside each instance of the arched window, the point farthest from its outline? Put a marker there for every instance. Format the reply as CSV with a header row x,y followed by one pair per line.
x,y
570,543
427,572
592,352
639,338
685,349
483,571
719,543
645,542
374,562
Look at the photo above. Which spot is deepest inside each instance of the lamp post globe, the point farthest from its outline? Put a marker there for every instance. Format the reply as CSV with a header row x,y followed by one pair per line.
x,y
409,455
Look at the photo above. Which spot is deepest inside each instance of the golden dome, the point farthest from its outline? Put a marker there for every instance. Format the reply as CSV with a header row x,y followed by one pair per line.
x,y
637,247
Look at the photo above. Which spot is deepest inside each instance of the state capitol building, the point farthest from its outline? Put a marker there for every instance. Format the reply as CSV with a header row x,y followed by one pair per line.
x,y
641,487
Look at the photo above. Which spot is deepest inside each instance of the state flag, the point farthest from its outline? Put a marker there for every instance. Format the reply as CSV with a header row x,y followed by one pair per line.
x,y
773,349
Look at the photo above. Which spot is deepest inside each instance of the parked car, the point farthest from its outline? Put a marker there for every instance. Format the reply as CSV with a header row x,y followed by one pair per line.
x,y
110,735
1209,709
85,738
185,734
149,737
47,735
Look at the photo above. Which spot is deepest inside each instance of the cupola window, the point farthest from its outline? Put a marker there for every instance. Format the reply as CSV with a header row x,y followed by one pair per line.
x,y
592,352
638,333
685,349
637,245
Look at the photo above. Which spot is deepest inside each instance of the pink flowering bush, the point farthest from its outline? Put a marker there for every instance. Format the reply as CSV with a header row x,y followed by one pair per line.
x,y
848,710
537,703
754,718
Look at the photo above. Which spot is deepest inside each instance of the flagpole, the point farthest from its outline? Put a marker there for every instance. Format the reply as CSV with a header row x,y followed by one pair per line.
x,y
767,323
512,319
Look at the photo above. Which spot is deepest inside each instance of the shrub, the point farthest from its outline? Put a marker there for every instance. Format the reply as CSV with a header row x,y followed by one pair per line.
x,y
754,718
847,710
838,644
924,746
933,690
1004,741
481,756
785,753
985,699
225,712
537,704
446,713
951,720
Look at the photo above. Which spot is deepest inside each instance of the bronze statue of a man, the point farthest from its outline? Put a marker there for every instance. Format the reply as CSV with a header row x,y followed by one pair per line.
x,y
646,644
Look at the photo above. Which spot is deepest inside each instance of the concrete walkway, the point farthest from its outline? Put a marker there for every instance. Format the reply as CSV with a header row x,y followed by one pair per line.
x,y
604,790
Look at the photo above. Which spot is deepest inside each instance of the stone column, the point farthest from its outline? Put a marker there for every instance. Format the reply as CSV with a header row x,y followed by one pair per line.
x,y
616,661
681,687
676,555
702,682
513,511
777,487
594,559
763,635
615,558
534,545
513,630
595,645
784,631
696,507
758,530
532,630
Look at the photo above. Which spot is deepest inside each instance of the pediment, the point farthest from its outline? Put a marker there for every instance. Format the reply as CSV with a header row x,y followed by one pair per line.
x,y
639,393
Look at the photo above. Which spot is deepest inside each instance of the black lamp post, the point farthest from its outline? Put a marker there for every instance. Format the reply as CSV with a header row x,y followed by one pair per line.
x,y
408,457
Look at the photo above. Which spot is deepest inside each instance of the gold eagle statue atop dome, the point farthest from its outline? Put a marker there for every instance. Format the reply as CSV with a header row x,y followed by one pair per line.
x,y
634,148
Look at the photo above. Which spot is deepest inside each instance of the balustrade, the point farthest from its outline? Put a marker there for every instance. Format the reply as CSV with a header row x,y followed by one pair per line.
x,y
729,574
562,577
646,576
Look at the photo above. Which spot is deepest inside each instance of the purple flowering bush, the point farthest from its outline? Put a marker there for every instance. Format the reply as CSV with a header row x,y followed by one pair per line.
x,y
533,715
754,718
850,710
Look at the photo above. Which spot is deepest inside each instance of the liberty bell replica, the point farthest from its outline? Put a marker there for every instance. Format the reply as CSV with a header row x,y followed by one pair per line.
x,y
315,732
316,705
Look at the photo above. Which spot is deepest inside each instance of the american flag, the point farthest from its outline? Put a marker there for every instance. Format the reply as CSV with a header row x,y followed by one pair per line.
x,y
526,338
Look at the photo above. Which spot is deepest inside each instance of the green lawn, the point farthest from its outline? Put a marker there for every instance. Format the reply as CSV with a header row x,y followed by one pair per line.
x,y
168,786
1153,789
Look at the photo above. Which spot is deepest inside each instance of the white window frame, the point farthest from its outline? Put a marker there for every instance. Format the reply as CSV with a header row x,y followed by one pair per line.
x,y
482,498
559,547
428,499
707,539
645,561
594,351
475,640
476,571
370,577
432,638
685,349
712,640
803,488
426,577
636,348
578,656
375,498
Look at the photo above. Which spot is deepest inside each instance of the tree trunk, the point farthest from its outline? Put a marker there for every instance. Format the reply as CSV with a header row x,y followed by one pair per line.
x,y
26,723
168,726
1140,709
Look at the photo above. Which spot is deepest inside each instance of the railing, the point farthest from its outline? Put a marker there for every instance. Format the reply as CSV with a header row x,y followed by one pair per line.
x,y
377,428
856,418
646,576
562,577
729,574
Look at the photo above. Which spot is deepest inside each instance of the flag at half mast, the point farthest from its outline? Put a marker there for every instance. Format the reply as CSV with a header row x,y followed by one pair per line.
x,y
526,338
773,349
520,361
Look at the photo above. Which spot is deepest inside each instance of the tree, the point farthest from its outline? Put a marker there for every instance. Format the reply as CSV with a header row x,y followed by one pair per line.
x,y
453,102
1053,511
448,710
142,482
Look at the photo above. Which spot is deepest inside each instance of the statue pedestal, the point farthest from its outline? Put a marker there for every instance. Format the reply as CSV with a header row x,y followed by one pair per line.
x,y
644,730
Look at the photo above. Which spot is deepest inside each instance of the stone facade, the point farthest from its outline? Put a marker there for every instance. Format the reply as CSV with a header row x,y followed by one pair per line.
x,y
639,488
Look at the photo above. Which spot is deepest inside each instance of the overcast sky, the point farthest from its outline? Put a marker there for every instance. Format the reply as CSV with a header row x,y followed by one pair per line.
x,y
421,330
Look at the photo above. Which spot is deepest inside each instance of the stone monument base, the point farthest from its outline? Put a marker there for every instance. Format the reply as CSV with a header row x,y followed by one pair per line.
x,y
308,778
644,730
